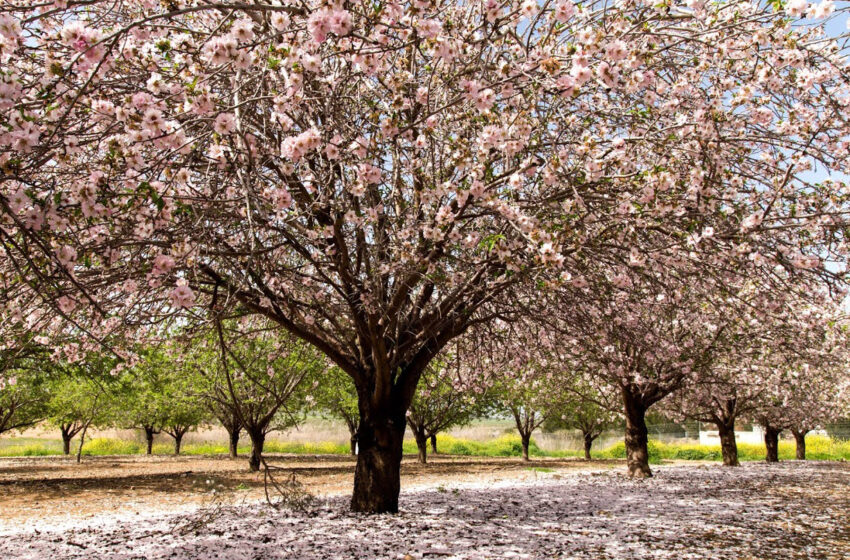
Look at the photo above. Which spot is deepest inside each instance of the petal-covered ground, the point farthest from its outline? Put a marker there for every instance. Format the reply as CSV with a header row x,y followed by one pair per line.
x,y
789,510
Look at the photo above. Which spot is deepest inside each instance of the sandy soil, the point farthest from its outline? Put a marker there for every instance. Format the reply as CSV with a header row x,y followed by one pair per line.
x,y
49,490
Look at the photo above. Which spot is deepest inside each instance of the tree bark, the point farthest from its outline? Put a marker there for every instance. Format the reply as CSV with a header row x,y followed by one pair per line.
x,y
352,434
82,441
637,436
588,443
728,445
422,446
377,476
771,443
149,433
434,444
66,440
233,442
526,441
178,440
258,440
800,439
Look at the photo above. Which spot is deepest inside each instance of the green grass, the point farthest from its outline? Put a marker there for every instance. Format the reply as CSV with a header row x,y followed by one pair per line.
x,y
508,445
28,450
817,448
820,448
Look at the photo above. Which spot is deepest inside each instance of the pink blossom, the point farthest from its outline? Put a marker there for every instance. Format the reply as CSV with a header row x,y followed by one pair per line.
x,y
822,10
66,255
311,62
225,123
484,99
564,10
182,296
429,28
796,8
162,264
10,27
242,30
580,73
616,51
368,173
295,147
280,21
66,304
324,21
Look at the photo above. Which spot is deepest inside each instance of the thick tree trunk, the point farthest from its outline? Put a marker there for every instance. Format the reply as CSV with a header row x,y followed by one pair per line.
x,y
637,437
422,446
526,441
149,433
233,442
434,444
800,439
178,441
258,440
728,445
588,443
771,443
377,476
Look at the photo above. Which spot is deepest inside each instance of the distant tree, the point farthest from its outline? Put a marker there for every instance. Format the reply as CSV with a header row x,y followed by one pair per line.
x,y
138,404
183,411
79,397
448,395
764,371
257,376
801,399
525,398
336,397
196,357
585,405
229,420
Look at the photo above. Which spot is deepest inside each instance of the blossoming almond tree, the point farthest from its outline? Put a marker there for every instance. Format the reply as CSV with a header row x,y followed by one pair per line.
x,y
588,405
256,372
752,365
647,347
451,393
375,176
652,333
803,396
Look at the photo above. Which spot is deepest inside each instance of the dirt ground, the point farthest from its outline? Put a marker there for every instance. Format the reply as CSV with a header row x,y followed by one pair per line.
x,y
44,490
454,509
